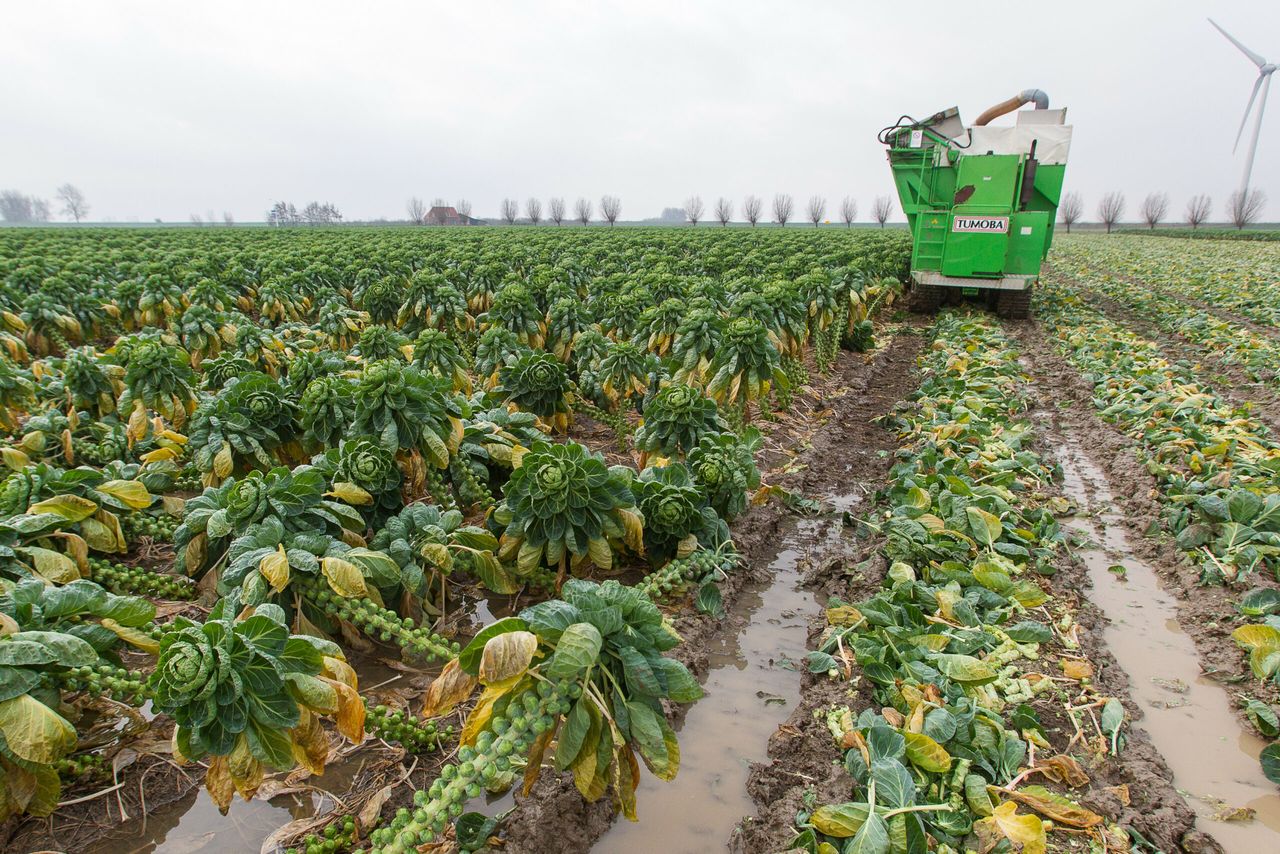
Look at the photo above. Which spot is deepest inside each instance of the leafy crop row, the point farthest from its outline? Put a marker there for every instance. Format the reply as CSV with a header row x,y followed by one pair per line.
x,y
951,650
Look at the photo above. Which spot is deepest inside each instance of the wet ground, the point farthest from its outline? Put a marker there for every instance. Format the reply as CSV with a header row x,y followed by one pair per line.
x,y
1188,716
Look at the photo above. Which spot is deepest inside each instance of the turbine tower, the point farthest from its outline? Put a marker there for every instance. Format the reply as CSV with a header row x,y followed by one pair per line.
x,y
1265,70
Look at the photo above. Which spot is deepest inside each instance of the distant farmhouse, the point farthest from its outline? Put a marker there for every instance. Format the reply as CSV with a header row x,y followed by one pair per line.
x,y
449,216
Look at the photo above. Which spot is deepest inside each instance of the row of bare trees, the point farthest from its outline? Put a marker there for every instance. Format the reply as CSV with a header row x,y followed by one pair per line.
x,y
1242,209
16,206
556,211
783,209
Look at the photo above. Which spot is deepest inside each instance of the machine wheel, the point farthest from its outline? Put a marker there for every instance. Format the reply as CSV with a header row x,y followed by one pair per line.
x,y
924,299
1014,305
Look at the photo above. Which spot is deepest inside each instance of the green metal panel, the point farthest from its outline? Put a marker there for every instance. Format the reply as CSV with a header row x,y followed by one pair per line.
x,y
1029,233
987,183
975,254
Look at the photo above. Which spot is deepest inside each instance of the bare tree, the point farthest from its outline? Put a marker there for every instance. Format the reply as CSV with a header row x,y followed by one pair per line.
x,y
510,210
751,206
882,209
724,210
1071,209
555,210
693,209
610,208
534,210
1198,208
849,210
582,211
73,203
1245,207
1154,208
463,207
439,202
1110,209
416,209
196,219
782,208
817,209
16,207
227,218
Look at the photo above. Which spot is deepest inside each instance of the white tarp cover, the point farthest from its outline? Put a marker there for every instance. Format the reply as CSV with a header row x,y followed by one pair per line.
x,y
1053,141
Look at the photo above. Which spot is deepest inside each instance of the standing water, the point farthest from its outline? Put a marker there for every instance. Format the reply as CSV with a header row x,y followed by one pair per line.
x,y
1188,717
751,687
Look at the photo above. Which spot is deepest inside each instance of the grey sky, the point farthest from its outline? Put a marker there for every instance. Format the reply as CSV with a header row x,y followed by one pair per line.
x,y
165,109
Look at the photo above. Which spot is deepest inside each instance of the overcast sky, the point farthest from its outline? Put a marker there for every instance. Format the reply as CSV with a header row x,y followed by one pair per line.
x,y
163,109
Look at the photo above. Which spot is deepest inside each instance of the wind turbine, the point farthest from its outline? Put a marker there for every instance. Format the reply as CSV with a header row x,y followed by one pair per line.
x,y
1265,70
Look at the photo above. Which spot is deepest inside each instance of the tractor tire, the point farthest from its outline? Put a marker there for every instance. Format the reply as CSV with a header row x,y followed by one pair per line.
x,y
924,299
1014,305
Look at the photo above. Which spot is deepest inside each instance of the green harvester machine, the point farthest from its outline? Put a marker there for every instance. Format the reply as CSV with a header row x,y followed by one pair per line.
x,y
980,202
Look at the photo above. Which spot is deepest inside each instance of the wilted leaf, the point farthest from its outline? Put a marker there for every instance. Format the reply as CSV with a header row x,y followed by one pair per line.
x,y
507,655
447,690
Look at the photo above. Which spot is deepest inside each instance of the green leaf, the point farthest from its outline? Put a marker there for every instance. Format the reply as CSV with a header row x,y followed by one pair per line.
x,y
68,650
965,669
681,686
871,838
1030,631
271,747
1270,759
1263,717
985,526
73,508
894,785
577,649
573,733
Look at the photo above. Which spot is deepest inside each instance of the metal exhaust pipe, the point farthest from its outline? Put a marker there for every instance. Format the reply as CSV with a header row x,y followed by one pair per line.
x,y
1038,96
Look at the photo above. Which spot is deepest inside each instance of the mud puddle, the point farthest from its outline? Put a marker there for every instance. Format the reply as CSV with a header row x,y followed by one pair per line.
x,y
752,686
1187,716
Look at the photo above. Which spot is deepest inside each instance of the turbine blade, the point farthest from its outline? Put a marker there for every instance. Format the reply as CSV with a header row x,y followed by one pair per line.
x,y
1256,58
1257,84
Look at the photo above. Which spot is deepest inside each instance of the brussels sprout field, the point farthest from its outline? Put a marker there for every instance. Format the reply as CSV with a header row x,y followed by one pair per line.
x,y
392,540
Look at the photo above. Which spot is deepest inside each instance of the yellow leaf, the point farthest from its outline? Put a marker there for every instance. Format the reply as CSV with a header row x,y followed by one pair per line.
x,y
344,577
219,783
1025,831
310,745
35,732
350,716
447,690
1073,668
14,458
336,668
507,655
131,493
223,462
483,711
73,508
159,455
134,637
174,506
927,754
8,625
275,569
351,494
1051,806
245,770
1253,637
112,524
53,566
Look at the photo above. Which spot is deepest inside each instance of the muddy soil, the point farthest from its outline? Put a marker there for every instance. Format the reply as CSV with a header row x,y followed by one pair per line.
x,y
1209,613
858,454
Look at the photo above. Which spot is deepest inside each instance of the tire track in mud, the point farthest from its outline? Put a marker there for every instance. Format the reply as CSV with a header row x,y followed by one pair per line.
x,y
1105,476
802,757
554,818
